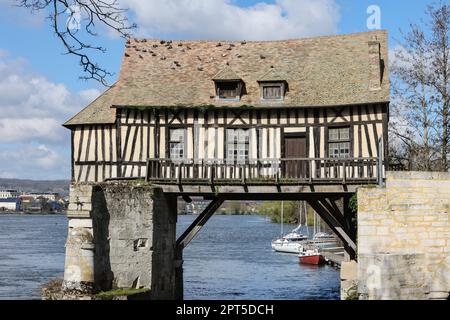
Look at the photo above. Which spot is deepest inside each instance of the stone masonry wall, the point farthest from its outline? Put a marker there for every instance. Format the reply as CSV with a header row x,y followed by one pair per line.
x,y
404,237
133,237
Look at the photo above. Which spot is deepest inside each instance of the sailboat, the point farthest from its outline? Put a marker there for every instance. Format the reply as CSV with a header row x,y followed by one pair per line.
x,y
322,239
291,242
311,251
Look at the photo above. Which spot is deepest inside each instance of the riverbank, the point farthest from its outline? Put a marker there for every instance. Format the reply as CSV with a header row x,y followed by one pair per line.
x,y
31,213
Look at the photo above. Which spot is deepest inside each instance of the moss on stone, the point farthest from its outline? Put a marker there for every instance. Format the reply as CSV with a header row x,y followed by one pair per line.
x,y
121,292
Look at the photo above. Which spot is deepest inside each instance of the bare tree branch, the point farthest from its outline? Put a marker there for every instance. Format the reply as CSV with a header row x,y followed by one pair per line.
x,y
89,13
421,91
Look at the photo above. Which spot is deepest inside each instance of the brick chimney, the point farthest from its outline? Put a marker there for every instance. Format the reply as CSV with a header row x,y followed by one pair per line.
x,y
374,64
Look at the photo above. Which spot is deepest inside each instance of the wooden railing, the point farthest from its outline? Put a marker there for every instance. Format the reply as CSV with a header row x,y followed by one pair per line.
x,y
265,171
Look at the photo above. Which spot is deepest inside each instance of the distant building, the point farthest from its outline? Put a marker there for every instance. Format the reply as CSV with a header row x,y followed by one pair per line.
x,y
9,193
10,204
46,195
26,198
35,205
55,206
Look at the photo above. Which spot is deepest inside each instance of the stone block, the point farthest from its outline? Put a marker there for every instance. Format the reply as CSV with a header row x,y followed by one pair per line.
x,y
80,223
78,214
349,270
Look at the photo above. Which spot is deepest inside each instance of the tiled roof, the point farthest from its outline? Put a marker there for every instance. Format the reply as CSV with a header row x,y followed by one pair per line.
x,y
321,71
273,75
226,74
98,112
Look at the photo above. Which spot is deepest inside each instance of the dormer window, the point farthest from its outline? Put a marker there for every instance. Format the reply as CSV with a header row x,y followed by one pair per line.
x,y
272,85
228,85
272,91
228,90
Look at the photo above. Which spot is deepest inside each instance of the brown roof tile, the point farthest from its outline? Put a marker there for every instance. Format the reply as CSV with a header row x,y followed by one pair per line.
x,y
321,71
272,75
98,112
226,74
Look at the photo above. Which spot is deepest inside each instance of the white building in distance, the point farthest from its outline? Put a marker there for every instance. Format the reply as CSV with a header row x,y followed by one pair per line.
x,y
9,193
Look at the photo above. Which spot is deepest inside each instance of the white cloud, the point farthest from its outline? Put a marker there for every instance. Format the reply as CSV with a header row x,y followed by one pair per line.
x,y
224,19
33,107
35,161
37,129
33,143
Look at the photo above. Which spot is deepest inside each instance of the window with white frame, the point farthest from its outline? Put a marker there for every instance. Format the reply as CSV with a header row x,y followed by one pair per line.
x,y
177,144
238,142
339,142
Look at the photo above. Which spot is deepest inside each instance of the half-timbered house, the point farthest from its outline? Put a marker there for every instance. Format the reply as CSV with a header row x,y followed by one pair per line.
x,y
202,112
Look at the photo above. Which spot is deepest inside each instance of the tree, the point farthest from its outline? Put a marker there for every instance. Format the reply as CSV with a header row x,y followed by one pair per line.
x,y
440,76
75,20
420,70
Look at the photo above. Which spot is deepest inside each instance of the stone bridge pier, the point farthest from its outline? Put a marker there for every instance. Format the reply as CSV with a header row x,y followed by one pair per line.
x,y
122,235
404,238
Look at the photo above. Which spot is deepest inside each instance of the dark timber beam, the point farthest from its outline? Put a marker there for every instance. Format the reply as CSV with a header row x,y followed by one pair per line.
x,y
339,229
198,224
330,205
287,196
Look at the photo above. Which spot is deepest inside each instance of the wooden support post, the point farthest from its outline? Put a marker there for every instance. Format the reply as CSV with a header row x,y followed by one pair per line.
x,y
198,224
179,173
213,173
334,224
310,172
178,264
344,179
333,209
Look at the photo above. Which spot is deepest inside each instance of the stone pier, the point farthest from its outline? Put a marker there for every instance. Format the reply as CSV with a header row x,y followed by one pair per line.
x,y
121,235
404,237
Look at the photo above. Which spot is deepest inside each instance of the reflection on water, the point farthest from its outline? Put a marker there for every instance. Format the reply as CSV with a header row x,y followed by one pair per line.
x,y
231,258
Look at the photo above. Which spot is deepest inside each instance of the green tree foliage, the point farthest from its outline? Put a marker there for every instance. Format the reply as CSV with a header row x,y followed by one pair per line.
x,y
272,209
353,204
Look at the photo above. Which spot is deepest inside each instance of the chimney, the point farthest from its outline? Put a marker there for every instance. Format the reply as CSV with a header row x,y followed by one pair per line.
x,y
374,64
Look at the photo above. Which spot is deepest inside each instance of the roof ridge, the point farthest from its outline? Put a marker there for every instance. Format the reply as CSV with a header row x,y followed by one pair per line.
x,y
343,35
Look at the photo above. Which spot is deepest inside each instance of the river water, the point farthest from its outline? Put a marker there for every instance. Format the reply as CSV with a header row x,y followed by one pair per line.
x,y
230,259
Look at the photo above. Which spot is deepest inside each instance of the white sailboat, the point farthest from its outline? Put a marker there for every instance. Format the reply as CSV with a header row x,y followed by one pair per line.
x,y
291,242
322,239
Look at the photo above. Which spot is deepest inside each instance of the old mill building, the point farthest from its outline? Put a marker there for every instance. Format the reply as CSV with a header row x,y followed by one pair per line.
x,y
200,111
298,120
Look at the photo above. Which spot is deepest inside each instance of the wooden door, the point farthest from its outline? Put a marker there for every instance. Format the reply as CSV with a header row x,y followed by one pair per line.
x,y
294,148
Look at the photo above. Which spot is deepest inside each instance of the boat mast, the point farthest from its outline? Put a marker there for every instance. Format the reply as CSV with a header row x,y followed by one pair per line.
x,y
315,224
306,217
282,217
300,215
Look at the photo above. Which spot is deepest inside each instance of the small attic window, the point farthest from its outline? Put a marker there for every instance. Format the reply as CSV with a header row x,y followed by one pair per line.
x,y
272,91
228,90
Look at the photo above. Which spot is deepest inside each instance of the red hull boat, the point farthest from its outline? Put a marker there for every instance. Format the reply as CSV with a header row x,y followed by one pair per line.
x,y
311,258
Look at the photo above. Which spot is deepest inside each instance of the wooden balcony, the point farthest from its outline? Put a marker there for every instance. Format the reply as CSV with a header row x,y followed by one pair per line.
x,y
302,171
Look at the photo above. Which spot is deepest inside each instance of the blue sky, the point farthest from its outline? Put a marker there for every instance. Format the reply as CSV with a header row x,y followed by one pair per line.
x,y
39,86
